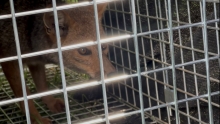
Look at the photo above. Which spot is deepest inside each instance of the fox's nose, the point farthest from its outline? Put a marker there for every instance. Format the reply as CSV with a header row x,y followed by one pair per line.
x,y
115,73
112,74
106,75
109,69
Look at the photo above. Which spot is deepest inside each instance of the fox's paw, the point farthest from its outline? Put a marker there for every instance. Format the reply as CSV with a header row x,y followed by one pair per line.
x,y
56,105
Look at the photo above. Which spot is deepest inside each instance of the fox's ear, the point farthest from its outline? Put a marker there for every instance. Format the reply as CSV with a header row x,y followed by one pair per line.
x,y
101,9
49,22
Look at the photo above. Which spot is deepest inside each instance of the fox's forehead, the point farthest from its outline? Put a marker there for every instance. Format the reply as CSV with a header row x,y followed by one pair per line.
x,y
82,13
83,27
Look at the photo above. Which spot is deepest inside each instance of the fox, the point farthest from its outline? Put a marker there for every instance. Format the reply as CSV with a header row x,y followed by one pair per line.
x,y
36,33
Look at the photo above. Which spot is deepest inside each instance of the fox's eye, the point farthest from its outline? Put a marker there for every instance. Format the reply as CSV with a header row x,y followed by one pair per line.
x,y
104,46
84,51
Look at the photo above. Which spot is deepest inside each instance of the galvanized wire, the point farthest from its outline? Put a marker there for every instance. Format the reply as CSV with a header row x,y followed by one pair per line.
x,y
20,62
205,42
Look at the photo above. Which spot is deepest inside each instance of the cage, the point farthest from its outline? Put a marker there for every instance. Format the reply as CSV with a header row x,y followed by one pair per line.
x,y
167,59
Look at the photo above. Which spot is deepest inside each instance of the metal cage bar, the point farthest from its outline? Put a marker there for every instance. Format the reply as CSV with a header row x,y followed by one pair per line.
x,y
205,42
134,26
193,58
173,62
58,38
20,61
101,63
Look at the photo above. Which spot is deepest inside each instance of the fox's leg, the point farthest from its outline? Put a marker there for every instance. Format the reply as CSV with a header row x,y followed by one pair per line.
x,y
38,73
12,73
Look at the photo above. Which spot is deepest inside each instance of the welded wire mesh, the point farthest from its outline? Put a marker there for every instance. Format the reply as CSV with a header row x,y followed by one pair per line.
x,y
155,53
169,50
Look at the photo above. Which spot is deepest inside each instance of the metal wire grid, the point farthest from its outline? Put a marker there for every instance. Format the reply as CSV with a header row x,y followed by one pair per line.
x,y
134,35
64,90
80,111
114,27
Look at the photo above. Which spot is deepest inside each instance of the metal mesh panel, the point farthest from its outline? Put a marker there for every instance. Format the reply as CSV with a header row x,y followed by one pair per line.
x,y
80,111
166,54
155,56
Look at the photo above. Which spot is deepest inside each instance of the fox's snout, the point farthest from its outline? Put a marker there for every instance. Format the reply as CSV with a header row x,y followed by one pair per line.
x,y
87,60
108,69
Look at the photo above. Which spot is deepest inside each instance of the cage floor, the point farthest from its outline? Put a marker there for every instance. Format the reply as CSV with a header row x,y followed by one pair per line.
x,y
79,111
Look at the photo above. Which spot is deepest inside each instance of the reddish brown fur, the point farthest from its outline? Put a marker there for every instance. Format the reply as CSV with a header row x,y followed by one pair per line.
x,y
37,33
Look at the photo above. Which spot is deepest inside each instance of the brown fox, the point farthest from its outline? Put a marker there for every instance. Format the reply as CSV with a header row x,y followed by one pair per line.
x,y
36,33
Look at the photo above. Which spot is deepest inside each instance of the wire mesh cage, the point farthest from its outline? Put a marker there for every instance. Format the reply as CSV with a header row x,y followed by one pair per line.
x,y
166,55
